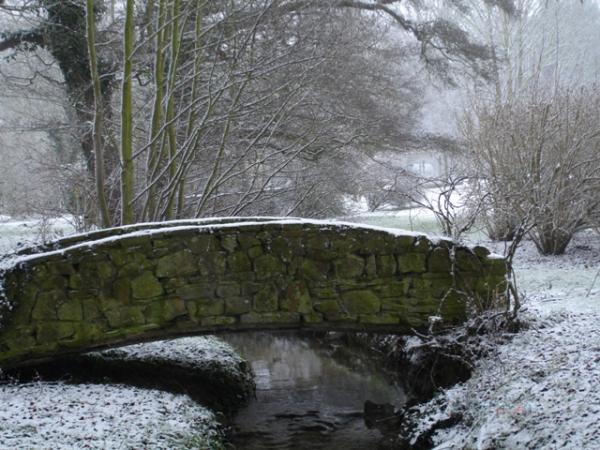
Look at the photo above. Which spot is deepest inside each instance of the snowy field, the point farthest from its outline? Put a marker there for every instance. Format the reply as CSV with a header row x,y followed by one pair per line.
x,y
15,233
86,416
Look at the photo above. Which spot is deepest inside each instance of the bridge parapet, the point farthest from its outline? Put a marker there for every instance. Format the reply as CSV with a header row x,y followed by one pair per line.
x,y
195,278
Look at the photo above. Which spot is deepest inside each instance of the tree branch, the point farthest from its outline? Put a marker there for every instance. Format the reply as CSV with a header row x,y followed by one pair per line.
x,y
18,39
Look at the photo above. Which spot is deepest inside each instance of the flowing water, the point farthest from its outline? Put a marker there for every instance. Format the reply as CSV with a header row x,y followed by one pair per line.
x,y
306,398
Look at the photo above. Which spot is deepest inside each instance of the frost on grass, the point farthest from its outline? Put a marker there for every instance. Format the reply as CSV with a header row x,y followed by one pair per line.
x,y
203,352
538,390
60,416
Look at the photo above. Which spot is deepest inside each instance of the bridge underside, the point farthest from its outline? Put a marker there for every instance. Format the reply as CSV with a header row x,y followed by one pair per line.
x,y
137,284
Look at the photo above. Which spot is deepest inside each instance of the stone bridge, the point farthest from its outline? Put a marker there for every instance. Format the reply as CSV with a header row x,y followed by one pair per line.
x,y
154,281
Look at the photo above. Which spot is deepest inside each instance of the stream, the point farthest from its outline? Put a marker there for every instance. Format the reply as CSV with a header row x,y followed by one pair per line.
x,y
306,398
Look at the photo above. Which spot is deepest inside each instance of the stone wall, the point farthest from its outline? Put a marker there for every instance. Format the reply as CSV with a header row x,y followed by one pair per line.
x,y
126,287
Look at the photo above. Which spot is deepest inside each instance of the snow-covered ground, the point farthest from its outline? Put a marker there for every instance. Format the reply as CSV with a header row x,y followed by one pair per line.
x,y
86,416
14,233
540,389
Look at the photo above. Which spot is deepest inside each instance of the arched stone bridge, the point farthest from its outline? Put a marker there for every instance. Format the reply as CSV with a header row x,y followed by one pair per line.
x,y
153,281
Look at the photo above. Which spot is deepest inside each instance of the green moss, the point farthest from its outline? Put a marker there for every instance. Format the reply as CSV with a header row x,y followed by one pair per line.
x,y
212,263
146,286
247,241
226,290
270,318
239,262
70,310
379,319
386,265
412,262
195,291
314,270
312,318
229,243
176,264
297,298
203,244
217,321
173,308
45,305
105,270
361,302
267,266
209,307
439,260
122,289
349,267
237,305
91,309
466,261
371,266
328,307
266,300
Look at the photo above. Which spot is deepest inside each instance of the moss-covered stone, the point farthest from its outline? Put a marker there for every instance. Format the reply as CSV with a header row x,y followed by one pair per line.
x,y
239,262
312,318
394,289
49,332
70,310
215,321
91,309
106,270
237,305
226,290
212,263
328,306
361,302
439,260
202,244
270,318
371,266
349,266
174,308
229,243
248,241
248,277
412,263
297,298
386,265
176,264
314,270
267,266
196,291
122,289
125,316
146,286
266,299
209,307
467,261
379,319
45,306
255,252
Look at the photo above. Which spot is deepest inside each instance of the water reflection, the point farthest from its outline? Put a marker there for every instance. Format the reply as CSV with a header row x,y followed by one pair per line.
x,y
306,399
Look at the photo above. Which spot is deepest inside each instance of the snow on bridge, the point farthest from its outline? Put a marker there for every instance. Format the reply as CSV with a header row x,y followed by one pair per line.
x,y
152,281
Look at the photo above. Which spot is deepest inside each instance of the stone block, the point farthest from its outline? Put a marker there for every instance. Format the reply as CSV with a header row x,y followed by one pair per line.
x,y
181,263
361,302
146,286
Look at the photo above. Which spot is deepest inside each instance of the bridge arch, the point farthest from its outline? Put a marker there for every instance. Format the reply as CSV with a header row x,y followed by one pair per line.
x,y
154,281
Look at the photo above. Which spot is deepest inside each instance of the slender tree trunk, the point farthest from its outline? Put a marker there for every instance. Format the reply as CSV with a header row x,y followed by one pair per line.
x,y
127,167
98,116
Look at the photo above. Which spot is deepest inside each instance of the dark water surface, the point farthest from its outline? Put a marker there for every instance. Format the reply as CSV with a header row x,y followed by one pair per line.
x,y
305,398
